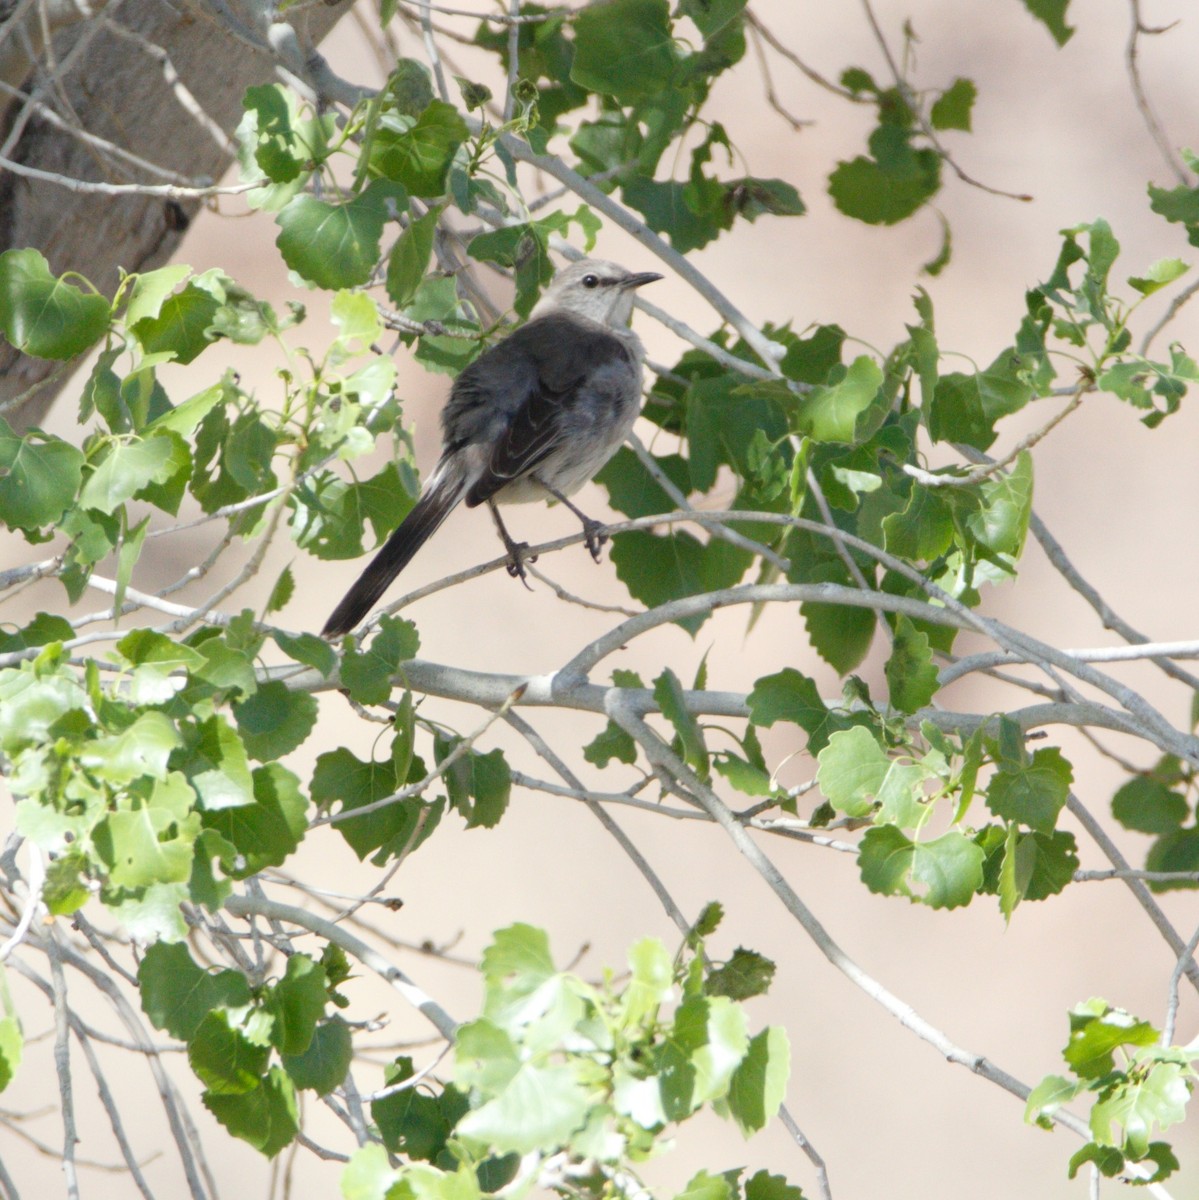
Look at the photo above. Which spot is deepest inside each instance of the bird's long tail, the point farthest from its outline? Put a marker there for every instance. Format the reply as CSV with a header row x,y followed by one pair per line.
x,y
437,501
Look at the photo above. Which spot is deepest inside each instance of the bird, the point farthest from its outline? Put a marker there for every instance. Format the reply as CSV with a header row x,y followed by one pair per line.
x,y
532,418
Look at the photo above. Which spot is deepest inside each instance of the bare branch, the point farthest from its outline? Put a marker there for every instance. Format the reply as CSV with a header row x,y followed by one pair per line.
x,y
248,906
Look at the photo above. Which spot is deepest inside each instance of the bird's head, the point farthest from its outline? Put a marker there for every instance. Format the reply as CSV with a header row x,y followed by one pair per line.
x,y
593,288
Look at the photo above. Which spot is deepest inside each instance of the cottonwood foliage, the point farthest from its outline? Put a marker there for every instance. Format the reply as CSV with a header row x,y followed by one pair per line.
x,y
150,771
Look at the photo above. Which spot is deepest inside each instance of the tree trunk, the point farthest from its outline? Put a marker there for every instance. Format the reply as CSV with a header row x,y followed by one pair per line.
x,y
117,87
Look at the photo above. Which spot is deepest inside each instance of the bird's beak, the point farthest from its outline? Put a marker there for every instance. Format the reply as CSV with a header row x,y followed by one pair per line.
x,y
635,281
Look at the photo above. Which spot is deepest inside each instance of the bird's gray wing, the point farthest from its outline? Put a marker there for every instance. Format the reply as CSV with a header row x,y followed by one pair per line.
x,y
519,392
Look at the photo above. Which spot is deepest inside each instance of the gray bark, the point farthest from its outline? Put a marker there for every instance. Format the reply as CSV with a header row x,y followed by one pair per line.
x,y
117,88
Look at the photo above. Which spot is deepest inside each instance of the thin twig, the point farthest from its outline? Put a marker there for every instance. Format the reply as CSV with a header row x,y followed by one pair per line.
x,y
1185,958
605,819
169,191
1135,885
35,880
246,906
1176,306
772,98
983,473
790,1125
1144,105
461,748
925,126
62,1065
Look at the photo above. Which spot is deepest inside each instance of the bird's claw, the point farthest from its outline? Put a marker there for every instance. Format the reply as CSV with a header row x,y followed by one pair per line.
x,y
594,537
518,555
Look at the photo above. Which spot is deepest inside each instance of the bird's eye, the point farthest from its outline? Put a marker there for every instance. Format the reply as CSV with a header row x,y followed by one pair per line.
x,y
590,281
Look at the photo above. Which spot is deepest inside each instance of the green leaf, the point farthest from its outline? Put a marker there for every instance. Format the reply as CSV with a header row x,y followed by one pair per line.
x,y
752,198
839,633
965,407
525,249
651,981
624,49
150,290
281,593
308,649
830,414
1106,1159
924,530
727,421
1052,14
367,675
950,867
1033,793
183,418
419,156
43,315
1027,865
139,751
1096,1030
668,692
274,720
215,764
764,1186
518,957
702,1049
743,976
478,785
690,214
911,675
177,994
1179,205
759,1084
1047,1097
394,828
855,773
276,142
611,743
266,1117
792,696
1153,1099
297,1002
412,1122
224,1060
1014,871
951,110
631,488
892,185
43,629
1148,806
409,258
1159,275
1002,522
1177,851
704,1186
127,469
267,832
151,843
12,1044
39,477
747,777
539,1109
181,326
658,569
334,245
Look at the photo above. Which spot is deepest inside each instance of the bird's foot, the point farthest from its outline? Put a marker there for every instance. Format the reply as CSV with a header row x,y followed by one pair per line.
x,y
593,537
518,555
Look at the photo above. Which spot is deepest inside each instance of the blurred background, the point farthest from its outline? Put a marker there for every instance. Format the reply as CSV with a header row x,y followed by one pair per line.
x,y
886,1113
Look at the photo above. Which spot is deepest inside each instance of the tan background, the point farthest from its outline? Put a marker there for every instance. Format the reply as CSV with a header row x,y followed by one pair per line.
x,y
888,1115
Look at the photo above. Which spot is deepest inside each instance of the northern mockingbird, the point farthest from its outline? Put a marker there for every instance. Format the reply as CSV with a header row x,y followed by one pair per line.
x,y
533,418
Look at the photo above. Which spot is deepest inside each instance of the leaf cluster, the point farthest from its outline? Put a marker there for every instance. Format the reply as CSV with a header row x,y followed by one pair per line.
x,y
560,1079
